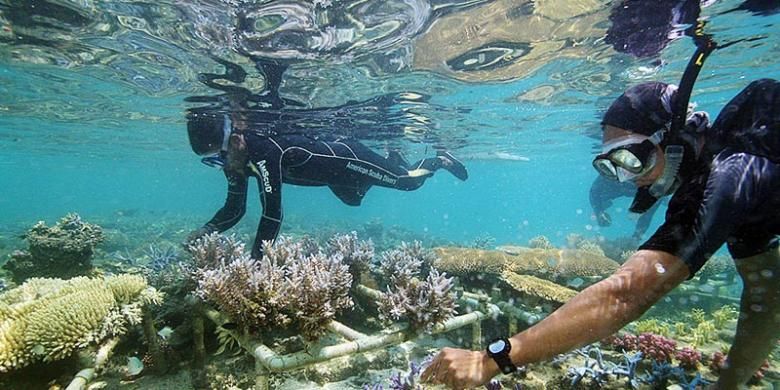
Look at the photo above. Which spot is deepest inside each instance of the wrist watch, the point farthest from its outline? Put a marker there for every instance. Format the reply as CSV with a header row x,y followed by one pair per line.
x,y
498,350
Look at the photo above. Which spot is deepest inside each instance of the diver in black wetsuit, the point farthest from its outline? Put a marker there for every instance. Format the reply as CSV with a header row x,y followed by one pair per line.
x,y
346,166
726,185
603,191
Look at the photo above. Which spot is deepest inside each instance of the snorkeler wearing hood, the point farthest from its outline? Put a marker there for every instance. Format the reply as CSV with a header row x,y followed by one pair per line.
x,y
725,187
347,167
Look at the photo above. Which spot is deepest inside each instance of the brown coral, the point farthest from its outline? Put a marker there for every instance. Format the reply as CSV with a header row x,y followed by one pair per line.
x,y
531,286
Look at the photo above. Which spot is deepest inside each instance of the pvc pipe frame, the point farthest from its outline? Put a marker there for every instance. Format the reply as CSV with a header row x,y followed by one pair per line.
x,y
84,376
270,361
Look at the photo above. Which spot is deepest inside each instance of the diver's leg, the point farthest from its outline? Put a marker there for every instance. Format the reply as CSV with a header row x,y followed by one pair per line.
x,y
758,327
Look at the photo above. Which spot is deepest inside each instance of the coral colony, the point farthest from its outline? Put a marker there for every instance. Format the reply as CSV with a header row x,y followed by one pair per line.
x,y
303,288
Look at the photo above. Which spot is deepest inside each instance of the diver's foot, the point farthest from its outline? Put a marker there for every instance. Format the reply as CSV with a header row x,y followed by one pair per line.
x,y
453,165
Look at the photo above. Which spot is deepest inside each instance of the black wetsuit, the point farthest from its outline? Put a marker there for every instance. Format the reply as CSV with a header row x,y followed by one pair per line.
x,y
733,196
604,190
348,167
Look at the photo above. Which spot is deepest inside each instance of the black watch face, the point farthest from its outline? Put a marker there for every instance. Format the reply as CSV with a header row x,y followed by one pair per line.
x,y
497,346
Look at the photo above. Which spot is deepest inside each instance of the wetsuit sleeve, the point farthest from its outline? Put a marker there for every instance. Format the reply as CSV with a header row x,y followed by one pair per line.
x,y
235,204
269,174
644,220
600,195
707,211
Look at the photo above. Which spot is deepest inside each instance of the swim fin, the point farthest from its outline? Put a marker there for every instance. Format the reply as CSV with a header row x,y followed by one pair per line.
x,y
453,165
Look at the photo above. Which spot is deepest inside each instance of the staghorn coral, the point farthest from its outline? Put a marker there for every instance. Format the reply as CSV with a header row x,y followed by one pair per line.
x,y
355,253
422,302
289,286
319,285
49,319
249,291
63,250
215,249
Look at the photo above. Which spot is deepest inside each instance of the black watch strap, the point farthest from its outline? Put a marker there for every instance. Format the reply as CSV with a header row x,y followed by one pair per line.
x,y
498,350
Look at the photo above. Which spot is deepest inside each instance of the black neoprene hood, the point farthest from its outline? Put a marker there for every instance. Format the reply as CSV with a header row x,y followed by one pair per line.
x,y
640,109
205,132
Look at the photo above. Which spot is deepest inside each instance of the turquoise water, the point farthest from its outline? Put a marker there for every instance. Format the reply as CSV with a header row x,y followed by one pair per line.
x,y
97,138
92,107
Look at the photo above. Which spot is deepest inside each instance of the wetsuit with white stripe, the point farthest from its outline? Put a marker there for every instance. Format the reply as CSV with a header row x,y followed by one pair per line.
x,y
347,167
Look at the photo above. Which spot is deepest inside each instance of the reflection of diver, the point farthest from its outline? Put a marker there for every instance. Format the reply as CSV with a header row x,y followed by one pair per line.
x,y
257,135
603,191
644,28
346,166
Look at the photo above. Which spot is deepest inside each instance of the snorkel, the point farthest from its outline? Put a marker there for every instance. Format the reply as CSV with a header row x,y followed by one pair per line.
x,y
674,151
216,160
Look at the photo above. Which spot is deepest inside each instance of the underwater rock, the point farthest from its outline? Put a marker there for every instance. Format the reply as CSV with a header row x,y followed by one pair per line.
x,y
63,250
48,319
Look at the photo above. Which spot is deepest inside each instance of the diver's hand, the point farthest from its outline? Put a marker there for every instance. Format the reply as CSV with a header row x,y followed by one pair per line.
x,y
460,368
603,219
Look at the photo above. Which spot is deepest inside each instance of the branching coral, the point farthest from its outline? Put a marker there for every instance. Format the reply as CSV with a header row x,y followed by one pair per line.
x,y
319,287
288,286
49,319
355,253
423,303
63,250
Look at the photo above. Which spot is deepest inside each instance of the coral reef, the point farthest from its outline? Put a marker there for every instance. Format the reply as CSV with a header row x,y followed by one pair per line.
x,y
558,265
63,250
404,381
421,302
540,289
289,286
688,358
541,242
49,319
356,254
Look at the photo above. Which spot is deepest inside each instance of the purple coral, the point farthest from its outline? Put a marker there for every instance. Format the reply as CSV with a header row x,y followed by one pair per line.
x,y
289,285
657,347
688,358
355,253
423,303
319,287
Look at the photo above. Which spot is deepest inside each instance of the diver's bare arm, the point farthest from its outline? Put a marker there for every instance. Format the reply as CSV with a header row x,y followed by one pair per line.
x,y
601,309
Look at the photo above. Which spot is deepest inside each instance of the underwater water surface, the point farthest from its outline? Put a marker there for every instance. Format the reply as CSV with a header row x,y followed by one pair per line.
x,y
94,96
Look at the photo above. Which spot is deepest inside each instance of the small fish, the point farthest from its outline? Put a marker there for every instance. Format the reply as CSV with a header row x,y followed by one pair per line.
x,y
165,332
230,325
134,366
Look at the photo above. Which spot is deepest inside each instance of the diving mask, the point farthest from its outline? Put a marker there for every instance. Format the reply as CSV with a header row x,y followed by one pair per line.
x,y
629,157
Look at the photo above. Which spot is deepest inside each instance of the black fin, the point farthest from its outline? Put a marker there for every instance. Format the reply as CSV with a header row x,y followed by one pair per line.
x,y
348,195
453,165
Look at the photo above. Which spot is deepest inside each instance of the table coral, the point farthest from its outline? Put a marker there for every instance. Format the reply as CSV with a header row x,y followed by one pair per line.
x,y
49,319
